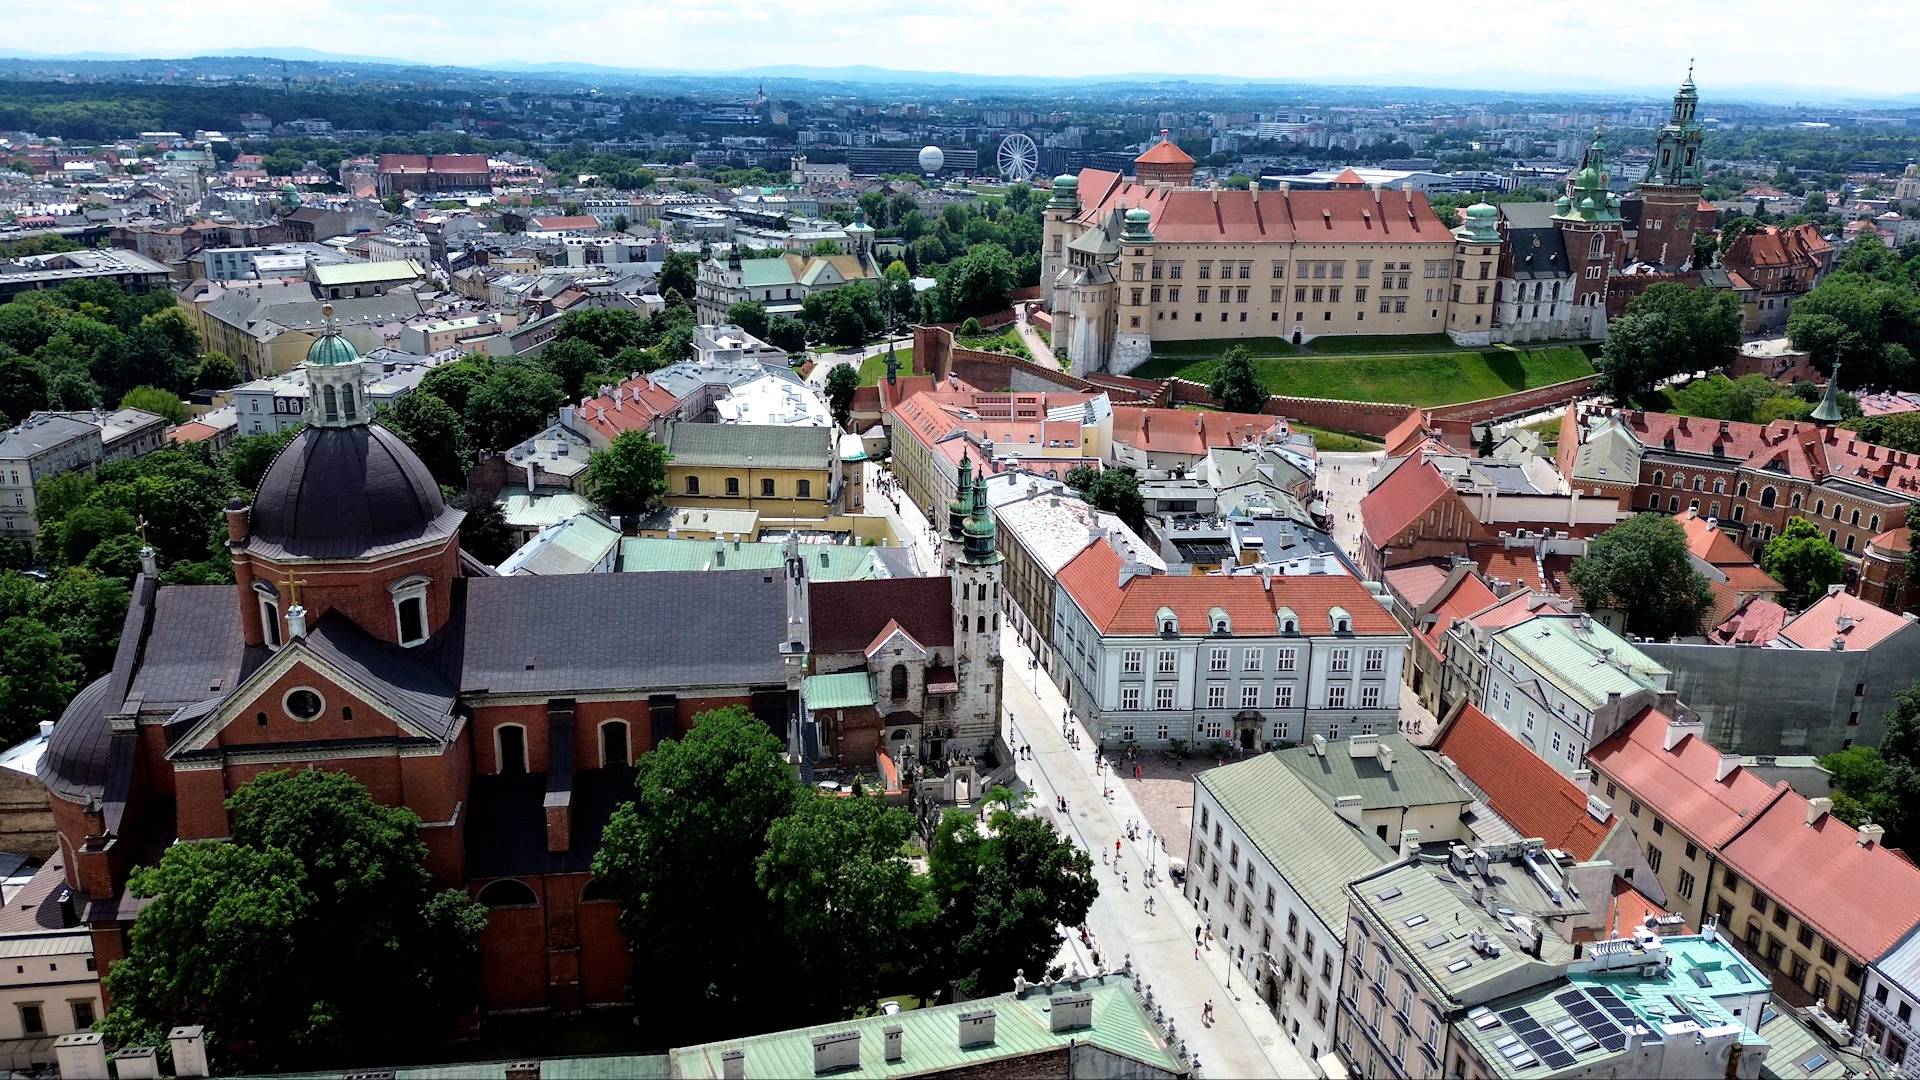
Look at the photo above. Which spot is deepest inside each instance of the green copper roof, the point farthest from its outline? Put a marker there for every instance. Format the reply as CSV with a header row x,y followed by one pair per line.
x,y
1569,654
1828,411
330,349
825,562
750,446
1482,225
848,690
1139,227
930,1039
1414,780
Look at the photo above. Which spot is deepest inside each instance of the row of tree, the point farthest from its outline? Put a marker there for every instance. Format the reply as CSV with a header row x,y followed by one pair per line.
x,y
1865,318
88,343
1668,330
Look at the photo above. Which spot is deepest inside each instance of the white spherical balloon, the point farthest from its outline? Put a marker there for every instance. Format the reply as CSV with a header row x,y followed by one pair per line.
x,y
931,159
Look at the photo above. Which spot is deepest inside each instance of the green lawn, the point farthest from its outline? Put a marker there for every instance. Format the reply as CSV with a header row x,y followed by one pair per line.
x,y
1211,348
1419,378
874,368
1337,442
1348,345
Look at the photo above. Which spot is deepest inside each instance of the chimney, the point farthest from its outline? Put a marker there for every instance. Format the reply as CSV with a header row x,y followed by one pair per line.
x,y
1384,756
1070,1011
1319,743
137,1063
976,1028
523,1070
1817,808
1348,807
733,1064
81,1055
1409,843
1870,834
834,1052
893,1042
189,1046
1726,765
296,622
1679,728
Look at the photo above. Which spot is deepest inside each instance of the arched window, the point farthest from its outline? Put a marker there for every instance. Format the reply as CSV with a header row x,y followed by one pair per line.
x,y
1699,483
1342,622
1798,499
505,893
410,609
1766,496
1289,622
1875,524
1833,536
1739,512
615,749
347,402
596,890
510,749
269,613
897,681
1742,491
1679,480
1673,504
693,485
1720,486
1653,501
1819,507
332,404
1855,519
1659,478
1849,544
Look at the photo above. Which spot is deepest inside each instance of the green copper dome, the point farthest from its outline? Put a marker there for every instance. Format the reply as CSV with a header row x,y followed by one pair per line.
x,y
1562,204
1139,227
330,349
1066,180
1137,216
1482,225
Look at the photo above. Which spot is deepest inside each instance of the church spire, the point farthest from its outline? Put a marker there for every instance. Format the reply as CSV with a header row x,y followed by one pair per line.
x,y
333,377
962,503
1827,413
980,531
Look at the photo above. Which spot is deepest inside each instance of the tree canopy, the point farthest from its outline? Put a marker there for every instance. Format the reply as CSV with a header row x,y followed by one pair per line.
x,y
1803,562
842,381
1236,386
312,936
630,475
1668,330
1640,567
1115,489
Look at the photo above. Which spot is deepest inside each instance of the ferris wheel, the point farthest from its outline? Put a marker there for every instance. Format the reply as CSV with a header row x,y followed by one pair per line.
x,y
1018,158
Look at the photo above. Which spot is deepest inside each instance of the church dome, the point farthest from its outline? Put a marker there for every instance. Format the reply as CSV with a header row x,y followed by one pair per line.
x,y
1480,210
74,766
330,350
1066,180
1563,204
1138,216
345,492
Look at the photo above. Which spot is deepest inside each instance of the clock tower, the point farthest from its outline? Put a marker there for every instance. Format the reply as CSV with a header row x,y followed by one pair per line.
x,y
1670,190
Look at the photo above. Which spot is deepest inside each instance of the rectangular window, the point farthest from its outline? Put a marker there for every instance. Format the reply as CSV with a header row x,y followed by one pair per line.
x,y
1363,269
32,1020
1130,661
1130,698
1250,660
1299,294
1283,696
1204,291
1250,696
1376,660
1333,294
1166,661
1319,294
1283,660
1173,294
1239,295
1279,269
1217,660
1163,697
1653,857
1337,696
1686,885
1216,695
1341,660
1370,696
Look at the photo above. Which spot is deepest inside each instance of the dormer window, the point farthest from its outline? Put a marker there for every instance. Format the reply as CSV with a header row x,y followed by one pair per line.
x,y
1342,622
409,610
269,613
1218,620
1168,622
1289,622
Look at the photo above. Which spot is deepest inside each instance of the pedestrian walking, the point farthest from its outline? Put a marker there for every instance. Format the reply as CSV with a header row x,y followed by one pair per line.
x,y
1123,881
1116,849
1196,936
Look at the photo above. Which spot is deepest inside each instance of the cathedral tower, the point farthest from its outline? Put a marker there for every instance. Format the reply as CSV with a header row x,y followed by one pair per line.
x,y
975,577
1588,216
1056,229
1670,191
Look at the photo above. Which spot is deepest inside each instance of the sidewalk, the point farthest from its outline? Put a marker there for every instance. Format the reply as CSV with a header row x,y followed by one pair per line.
x,y
1245,1039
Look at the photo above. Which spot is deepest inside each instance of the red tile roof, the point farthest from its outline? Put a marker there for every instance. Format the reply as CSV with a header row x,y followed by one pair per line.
x,y
1469,595
1190,215
1389,509
1707,543
1348,176
1517,608
1630,910
1678,784
1164,152
1861,898
1846,618
641,404
1407,434
1185,431
848,615
576,222
1519,785
1415,583
1795,448
1893,541
1092,578
1754,622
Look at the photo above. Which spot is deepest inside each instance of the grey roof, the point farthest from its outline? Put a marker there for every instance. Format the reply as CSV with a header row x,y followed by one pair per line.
x,y
750,445
75,764
345,492
40,433
1414,780
190,649
589,632
1527,215
405,685
507,822
1538,253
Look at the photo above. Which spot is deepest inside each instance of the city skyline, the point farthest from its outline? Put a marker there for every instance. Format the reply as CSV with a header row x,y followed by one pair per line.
x,y
1500,47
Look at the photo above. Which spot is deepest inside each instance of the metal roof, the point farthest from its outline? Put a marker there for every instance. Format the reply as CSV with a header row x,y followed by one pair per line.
x,y
1568,652
825,562
358,273
1276,808
848,690
1414,780
750,446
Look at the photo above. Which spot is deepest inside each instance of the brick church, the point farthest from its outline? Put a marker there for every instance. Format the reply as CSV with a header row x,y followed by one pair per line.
x,y
506,712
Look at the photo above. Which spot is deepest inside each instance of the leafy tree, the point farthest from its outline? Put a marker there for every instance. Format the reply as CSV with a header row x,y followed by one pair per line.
x,y
574,363
847,315
483,532
512,404
1634,356
455,383
620,223
155,400
1640,567
848,904
978,282
825,248
1115,490
787,332
1000,900
84,609
1895,431
37,676
1235,385
249,455
1803,562
678,273
313,935
842,381
23,386
749,315
1868,326
630,475
217,372
1859,785
1704,323
75,535
431,428
682,859
606,330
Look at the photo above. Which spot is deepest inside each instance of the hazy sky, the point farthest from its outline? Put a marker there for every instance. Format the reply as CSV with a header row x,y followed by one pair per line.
x,y
1862,45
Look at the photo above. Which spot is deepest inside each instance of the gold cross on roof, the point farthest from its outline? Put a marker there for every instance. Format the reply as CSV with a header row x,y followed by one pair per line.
x,y
141,528
293,589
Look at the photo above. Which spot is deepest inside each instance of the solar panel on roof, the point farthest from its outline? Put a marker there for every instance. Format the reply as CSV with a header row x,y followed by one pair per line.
x,y
1569,998
1559,1059
1739,974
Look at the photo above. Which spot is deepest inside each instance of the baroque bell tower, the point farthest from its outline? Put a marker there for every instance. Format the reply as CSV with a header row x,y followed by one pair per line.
x,y
1670,190
975,577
